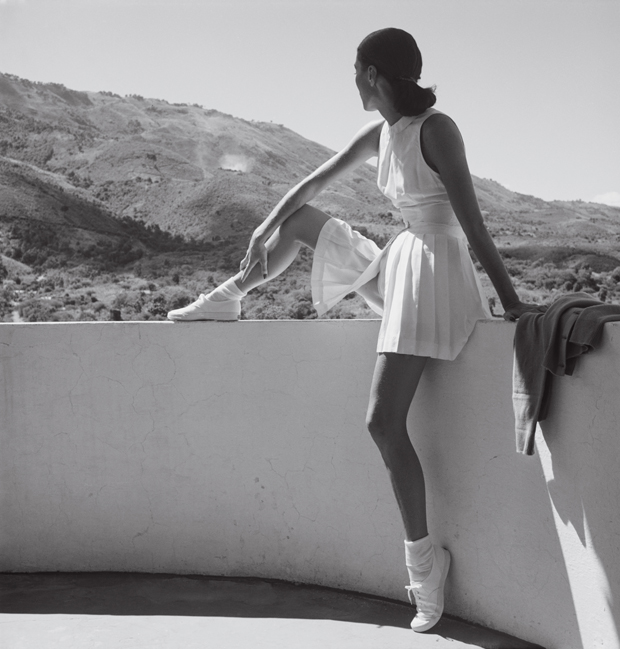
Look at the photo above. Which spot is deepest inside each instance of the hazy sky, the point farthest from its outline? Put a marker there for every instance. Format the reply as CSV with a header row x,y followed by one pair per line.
x,y
532,84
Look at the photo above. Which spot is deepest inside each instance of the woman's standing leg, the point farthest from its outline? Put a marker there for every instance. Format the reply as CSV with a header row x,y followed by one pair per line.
x,y
394,384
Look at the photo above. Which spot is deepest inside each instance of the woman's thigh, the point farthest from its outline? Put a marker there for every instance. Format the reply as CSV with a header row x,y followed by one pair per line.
x,y
394,383
305,225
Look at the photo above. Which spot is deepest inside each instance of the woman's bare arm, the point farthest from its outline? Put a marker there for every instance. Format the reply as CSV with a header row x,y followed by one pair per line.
x,y
444,150
363,146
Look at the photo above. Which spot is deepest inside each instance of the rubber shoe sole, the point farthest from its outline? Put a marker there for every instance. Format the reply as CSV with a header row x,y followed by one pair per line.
x,y
219,317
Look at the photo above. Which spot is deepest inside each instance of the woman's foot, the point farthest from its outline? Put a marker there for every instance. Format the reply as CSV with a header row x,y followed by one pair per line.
x,y
427,595
206,308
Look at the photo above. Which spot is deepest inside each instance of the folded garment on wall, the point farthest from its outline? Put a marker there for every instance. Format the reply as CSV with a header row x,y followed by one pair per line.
x,y
548,344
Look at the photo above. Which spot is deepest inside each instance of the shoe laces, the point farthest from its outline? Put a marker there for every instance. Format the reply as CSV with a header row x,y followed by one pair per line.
x,y
421,603
414,589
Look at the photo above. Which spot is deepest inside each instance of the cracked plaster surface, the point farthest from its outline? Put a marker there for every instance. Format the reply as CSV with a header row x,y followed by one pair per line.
x,y
242,450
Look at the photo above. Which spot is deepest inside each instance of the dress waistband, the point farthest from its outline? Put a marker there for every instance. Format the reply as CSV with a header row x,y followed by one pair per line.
x,y
436,218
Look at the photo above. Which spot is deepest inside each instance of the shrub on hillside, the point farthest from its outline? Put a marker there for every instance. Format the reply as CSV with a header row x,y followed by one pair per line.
x,y
7,299
157,304
128,300
37,310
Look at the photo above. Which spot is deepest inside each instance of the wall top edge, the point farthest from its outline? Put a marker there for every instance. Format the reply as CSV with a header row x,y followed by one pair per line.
x,y
152,323
168,323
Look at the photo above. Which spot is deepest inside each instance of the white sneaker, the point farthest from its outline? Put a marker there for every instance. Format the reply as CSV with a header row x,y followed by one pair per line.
x,y
427,595
204,308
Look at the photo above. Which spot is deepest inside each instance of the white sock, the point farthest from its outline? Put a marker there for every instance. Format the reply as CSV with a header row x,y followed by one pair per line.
x,y
227,291
419,558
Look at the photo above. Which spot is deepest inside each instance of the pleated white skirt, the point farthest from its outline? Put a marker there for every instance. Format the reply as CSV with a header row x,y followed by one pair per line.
x,y
431,293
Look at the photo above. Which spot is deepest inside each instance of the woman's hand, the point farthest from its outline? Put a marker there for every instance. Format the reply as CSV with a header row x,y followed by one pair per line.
x,y
256,254
514,311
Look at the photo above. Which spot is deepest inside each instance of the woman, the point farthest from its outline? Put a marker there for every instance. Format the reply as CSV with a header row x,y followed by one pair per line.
x,y
423,283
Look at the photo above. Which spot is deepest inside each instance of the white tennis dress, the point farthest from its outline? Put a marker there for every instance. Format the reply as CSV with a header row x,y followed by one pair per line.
x,y
432,296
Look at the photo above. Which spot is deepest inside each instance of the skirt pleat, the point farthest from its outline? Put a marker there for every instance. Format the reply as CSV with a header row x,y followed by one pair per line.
x,y
342,258
432,296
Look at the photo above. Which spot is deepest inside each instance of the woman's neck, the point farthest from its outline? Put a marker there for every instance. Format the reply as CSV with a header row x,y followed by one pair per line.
x,y
390,115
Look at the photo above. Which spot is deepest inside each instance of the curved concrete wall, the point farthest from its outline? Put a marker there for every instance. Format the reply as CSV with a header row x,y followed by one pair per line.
x,y
240,449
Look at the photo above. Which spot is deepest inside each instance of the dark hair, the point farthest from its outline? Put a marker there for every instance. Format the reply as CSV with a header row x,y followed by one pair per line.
x,y
396,56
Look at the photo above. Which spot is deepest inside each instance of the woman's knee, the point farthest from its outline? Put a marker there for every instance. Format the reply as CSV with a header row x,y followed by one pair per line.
x,y
384,427
393,386
374,425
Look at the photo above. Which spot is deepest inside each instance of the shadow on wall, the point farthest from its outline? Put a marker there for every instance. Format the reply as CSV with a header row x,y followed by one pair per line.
x,y
490,505
563,602
584,493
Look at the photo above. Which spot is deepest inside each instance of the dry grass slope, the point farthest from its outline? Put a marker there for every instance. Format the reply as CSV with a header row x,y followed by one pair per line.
x,y
125,207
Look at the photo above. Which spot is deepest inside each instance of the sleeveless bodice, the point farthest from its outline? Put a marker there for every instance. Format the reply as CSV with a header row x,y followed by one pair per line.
x,y
406,179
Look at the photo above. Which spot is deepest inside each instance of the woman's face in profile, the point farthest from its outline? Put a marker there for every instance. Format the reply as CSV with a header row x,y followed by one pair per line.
x,y
361,81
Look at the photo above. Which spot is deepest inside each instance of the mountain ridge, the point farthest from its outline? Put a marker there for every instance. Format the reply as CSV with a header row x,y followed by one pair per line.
x,y
100,140
100,170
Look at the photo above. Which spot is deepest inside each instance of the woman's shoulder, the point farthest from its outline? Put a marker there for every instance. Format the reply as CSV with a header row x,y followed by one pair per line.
x,y
438,125
365,142
440,136
370,130
432,116
376,126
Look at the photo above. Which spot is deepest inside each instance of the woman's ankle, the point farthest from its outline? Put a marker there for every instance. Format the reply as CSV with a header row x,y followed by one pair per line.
x,y
229,290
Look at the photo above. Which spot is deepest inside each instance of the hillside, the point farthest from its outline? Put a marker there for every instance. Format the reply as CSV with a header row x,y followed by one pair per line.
x,y
128,192
194,172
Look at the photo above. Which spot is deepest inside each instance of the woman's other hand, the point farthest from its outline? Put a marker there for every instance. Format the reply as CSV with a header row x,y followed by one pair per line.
x,y
515,311
256,254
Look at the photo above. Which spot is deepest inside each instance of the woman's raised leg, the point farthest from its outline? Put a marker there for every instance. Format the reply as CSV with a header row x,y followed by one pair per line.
x,y
223,303
301,228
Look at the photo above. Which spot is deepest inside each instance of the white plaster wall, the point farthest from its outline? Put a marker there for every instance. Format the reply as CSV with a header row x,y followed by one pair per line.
x,y
240,449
